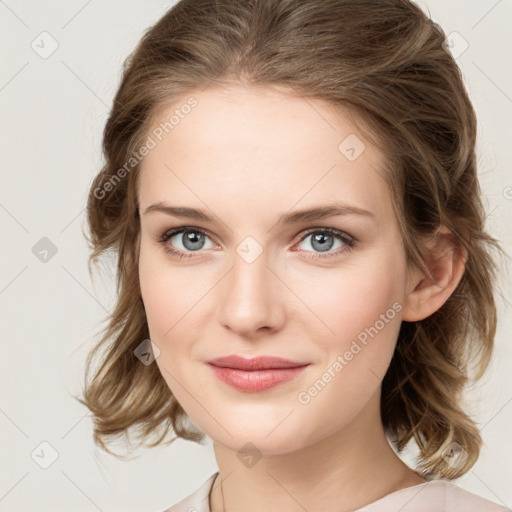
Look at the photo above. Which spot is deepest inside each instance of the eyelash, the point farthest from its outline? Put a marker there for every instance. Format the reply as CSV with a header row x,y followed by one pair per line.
x,y
348,240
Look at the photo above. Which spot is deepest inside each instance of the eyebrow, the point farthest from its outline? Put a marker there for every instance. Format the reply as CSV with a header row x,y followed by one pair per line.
x,y
295,217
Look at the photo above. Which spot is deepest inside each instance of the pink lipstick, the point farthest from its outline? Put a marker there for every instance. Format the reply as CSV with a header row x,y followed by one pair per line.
x,y
256,374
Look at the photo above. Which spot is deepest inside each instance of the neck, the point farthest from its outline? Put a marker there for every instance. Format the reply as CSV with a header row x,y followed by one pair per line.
x,y
342,472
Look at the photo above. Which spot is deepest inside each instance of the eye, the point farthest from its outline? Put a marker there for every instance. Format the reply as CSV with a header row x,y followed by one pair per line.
x,y
323,240
191,239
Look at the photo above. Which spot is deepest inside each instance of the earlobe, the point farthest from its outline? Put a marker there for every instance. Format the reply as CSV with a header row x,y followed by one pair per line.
x,y
427,292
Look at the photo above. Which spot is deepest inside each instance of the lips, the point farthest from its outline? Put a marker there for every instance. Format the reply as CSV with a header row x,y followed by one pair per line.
x,y
256,374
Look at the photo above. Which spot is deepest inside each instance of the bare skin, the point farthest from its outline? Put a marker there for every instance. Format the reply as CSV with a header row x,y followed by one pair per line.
x,y
245,156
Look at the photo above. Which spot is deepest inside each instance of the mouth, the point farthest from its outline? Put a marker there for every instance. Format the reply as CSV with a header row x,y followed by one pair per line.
x,y
256,374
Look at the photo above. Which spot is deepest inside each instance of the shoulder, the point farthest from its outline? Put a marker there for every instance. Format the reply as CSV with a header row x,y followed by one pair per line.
x,y
197,501
456,498
434,496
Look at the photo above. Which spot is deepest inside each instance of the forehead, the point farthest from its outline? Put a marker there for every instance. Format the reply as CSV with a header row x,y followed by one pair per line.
x,y
261,145
250,116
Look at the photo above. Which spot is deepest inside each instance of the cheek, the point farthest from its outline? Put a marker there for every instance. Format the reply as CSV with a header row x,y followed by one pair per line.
x,y
160,299
362,306
352,297
169,295
169,298
358,312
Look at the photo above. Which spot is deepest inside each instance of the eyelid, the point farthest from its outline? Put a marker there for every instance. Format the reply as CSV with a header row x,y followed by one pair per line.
x,y
342,235
170,233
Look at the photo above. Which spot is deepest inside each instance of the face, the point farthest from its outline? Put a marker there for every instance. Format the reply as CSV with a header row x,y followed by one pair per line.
x,y
326,292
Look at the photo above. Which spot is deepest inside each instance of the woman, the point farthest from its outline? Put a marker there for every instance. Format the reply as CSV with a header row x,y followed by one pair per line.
x,y
303,271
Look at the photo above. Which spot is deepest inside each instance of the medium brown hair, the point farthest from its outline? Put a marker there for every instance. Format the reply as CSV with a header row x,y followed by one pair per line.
x,y
385,62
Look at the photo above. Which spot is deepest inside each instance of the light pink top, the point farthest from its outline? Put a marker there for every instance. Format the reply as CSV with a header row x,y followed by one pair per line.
x,y
433,496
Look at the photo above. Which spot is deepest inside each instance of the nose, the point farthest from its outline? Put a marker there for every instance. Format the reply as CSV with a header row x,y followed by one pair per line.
x,y
251,298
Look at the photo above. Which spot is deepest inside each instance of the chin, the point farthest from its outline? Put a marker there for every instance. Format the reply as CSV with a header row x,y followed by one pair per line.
x,y
269,438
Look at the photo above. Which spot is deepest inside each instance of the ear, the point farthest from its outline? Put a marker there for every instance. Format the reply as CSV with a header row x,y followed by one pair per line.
x,y
427,292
